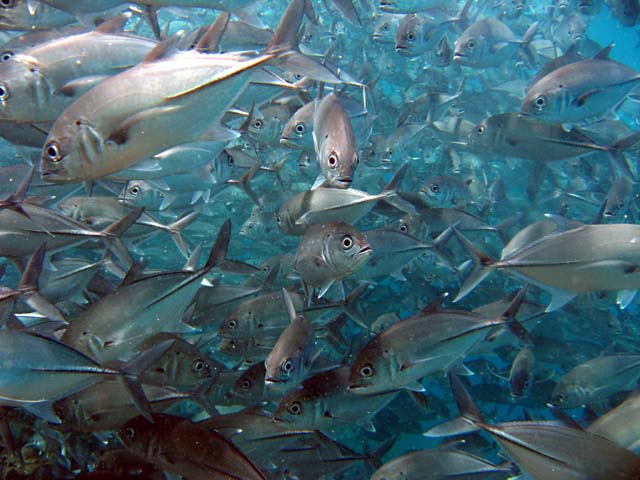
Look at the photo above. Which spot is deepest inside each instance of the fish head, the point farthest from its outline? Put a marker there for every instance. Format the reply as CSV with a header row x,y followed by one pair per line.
x,y
297,132
480,134
23,87
286,222
137,193
412,224
137,435
344,248
408,36
370,372
238,324
282,371
250,385
541,103
568,395
70,152
224,166
294,408
470,48
383,29
520,384
338,163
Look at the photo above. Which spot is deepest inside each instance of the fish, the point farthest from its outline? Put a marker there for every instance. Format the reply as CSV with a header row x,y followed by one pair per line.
x,y
334,142
322,204
595,380
292,355
38,84
419,34
329,252
556,263
431,341
155,303
96,136
577,91
445,461
186,448
489,43
546,449
324,400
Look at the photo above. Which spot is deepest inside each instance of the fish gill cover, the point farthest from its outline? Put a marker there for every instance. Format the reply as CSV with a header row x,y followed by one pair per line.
x,y
303,239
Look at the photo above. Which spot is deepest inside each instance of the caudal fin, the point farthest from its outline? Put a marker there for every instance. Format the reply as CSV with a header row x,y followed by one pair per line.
x,y
284,46
482,266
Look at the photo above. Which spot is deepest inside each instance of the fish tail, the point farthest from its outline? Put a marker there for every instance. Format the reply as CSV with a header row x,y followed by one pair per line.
x,y
112,233
390,191
131,371
617,157
284,46
29,285
175,230
529,52
470,419
509,317
482,266
220,247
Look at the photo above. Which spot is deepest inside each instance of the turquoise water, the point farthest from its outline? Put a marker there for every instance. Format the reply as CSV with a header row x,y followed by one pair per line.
x,y
401,283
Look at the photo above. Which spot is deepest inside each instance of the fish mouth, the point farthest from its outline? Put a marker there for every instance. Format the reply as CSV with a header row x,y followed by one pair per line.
x,y
457,56
365,250
343,182
273,381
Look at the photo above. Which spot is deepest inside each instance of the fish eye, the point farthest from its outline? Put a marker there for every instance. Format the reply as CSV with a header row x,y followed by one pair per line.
x,y
257,123
333,160
130,433
278,219
52,152
135,190
471,44
230,159
250,226
295,408
385,26
540,101
198,365
434,188
403,228
410,36
4,56
4,92
287,366
232,324
480,130
347,242
246,384
366,370
299,76
300,128
7,3
527,384
560,398
265,268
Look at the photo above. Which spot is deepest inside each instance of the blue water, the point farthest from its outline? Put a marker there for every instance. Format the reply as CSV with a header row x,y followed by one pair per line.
x,y
395,128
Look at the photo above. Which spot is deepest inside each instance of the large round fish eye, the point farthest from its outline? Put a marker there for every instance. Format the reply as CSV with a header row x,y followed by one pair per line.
x,y
4,92
434,188
52,152
6,55
471,44
258,124
245,384
135,190
366,370
300,128
540,101
480,130
287,366
410,36
198,365
333,160
7,3
295,408
347,242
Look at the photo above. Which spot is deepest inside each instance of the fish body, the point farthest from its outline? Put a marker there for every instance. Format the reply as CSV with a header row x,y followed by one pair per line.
x,y
581,90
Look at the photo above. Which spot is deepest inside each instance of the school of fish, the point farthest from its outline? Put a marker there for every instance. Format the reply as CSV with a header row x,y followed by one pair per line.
x,y
319,240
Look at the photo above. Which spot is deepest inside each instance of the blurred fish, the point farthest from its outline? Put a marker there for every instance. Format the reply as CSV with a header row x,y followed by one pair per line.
x,y
182,447
596,380
489,43
580,90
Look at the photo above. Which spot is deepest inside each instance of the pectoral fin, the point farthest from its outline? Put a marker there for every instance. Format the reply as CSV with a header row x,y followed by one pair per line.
x,y
121,134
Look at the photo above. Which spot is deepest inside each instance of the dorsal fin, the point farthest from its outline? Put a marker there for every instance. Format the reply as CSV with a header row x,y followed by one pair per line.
x,y
604,53
210,41
163,49
435,305
115,24
286,35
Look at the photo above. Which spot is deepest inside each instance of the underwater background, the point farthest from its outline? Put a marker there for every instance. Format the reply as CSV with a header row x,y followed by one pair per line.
x,y
338,239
